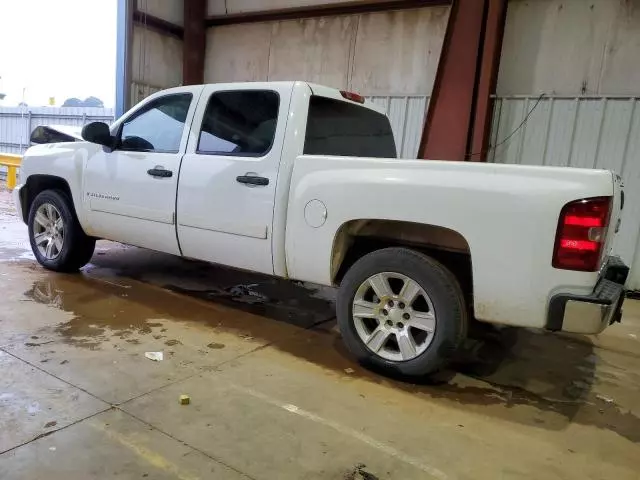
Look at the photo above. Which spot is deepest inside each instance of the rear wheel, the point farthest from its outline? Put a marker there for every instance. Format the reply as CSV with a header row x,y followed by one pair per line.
x,y
401,311
57,239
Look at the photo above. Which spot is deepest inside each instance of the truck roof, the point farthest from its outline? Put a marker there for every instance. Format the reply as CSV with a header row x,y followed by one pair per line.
x,y
316,89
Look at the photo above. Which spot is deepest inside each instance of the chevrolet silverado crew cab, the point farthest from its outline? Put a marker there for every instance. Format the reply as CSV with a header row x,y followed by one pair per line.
x,y
302,181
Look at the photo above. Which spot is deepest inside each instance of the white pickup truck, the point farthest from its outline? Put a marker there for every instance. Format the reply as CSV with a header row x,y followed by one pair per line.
x,y
302,181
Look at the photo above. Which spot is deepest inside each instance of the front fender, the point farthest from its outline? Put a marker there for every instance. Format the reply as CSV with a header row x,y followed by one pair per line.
x,y
66,161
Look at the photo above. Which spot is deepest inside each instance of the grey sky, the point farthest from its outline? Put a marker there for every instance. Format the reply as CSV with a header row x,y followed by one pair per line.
x,y
57,48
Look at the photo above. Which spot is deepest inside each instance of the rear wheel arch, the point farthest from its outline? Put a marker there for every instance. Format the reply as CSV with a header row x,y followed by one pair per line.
x,y
357,238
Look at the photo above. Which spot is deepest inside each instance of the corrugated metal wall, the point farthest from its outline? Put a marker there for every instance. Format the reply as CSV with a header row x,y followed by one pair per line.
x,y
406,114
583,131
17,123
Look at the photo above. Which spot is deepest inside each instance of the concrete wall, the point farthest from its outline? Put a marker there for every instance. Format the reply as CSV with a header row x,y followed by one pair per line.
x,y
398,52
571,47
169,10
390,53
156,62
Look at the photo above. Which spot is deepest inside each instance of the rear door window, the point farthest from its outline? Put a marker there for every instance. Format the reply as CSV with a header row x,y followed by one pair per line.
x,y
240,123
341,128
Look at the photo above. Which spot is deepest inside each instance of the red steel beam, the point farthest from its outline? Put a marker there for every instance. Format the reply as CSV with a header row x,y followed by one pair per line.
x,y
488,77
348,8
195,42
449,118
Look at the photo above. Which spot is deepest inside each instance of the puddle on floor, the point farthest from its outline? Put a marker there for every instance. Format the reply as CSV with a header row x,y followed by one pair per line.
x,y
292,302
552,376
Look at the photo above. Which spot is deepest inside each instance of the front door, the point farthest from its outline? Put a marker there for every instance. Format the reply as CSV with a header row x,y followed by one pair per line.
x,y
228,176
131,191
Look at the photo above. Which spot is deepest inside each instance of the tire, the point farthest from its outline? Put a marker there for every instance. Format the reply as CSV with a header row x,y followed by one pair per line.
x,y
72,248
438,306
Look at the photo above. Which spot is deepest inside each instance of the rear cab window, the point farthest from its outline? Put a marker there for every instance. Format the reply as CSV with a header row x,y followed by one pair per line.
x,y
341,128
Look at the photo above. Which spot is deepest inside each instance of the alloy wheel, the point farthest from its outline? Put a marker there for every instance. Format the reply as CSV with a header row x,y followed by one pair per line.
x,y
394,316
48,231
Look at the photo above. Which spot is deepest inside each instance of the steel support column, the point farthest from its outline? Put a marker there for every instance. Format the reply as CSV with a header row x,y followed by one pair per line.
x,y
487,78
195,42
459,112
123,58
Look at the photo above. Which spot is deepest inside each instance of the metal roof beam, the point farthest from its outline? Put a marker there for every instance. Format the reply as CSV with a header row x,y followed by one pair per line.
x,y
349,8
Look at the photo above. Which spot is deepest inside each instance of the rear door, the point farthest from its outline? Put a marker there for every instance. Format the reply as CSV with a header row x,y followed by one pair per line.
x,y
228,176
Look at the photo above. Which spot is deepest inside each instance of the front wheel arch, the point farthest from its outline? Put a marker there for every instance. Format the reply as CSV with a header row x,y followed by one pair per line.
x,y
36,184
76,247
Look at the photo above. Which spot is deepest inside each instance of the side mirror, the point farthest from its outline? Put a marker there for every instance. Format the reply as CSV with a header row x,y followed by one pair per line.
x,y
97,132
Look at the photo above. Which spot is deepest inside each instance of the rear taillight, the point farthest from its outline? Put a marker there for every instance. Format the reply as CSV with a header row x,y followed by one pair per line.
x,y
582,229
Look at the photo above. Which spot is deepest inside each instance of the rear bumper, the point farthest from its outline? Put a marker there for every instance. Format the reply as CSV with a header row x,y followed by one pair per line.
x,y
592,313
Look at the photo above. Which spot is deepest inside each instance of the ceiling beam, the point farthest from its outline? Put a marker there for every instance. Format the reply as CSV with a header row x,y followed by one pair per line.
x,y
349,8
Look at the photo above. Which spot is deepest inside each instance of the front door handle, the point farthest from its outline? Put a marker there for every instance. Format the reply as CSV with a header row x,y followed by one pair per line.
x,y
160,172
253,180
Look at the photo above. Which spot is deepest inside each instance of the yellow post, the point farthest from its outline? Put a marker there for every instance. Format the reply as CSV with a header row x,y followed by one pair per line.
x,y
12,162
11,177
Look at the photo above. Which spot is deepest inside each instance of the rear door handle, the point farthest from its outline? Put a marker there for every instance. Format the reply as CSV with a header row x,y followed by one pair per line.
x,y
253,180
160,172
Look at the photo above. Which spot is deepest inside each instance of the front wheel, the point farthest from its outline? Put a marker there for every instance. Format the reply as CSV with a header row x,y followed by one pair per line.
x,y
57,239
401,311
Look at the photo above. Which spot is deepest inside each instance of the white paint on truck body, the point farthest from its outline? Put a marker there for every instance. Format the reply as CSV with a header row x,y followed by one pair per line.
x,y
507,214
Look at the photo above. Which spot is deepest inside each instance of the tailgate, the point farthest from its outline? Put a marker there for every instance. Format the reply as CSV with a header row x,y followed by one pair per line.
x,y
616,212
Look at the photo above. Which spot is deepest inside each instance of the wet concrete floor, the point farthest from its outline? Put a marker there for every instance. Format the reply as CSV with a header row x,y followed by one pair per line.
x,y
274,395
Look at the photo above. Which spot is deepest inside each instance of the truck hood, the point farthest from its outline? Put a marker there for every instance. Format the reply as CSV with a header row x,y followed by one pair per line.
x,y
56,134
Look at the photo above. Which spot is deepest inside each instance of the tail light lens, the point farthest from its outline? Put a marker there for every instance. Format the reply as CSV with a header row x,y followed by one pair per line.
x,y
354,97
582,229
